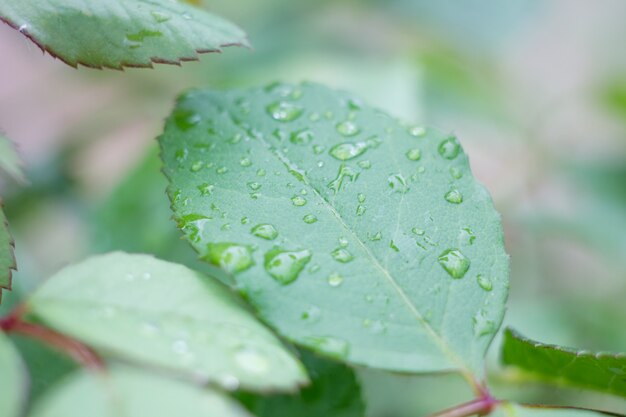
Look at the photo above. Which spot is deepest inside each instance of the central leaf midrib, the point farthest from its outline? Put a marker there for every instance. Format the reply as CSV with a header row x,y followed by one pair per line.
x,y
436,337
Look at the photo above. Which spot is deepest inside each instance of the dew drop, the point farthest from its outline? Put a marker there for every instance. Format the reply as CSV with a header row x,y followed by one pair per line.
x,y
414,154
283,111
361,197
186,119
298,201
343,242
341,255
456,173
419,232
417,131
483,325
347,128
196,166
254,186
301,137
318,149
335,280
264,231
366,164
360,210
285,266
231,257
312,314
397,183
245,162
345,172
260,172
160,17
221,170
309,219
454,263
484,282
206,189
348,150
376,236
454,196
466,236
449,148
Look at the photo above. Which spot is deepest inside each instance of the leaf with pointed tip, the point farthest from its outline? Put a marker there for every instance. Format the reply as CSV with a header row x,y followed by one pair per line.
x,y
334,392
599,371
166,315
128,392
13,380
7,257
508,409
351,233
120,33
10,160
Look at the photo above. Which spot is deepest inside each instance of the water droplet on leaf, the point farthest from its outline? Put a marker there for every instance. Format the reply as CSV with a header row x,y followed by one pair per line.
x,y
454,263
285,266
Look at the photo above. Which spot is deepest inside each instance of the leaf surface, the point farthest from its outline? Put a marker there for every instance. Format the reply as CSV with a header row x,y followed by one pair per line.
x,y
10,160
7,256
13,380
120,33
159,313
515,410
600,371
351,233
132,393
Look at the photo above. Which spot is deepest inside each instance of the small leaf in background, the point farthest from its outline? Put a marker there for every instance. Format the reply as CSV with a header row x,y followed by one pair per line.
x,y
515,410
599,371
120,33
378,246
129,392
334,392
13,380
10,160
7,256
159,313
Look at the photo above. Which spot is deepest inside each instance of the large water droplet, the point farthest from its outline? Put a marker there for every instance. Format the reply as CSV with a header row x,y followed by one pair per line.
x,y
331,346
466,236
342,255
301,137
397,183
484,282
345,172
284,111
348,150
265,231
454,196
483,325
285,266
348,128
454,262
449,148
231,257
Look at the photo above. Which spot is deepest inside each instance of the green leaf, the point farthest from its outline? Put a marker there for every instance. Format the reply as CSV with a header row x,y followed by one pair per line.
x,y
132,393
7,257
13,380
10,160
120,33
600,371
351,233
515,410
334,392
164,314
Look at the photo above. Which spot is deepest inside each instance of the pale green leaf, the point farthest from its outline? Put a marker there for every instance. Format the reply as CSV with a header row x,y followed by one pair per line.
x,y
600,371
515,410
159,313
351,233
13,379
128,392
10,160
120,33
7,257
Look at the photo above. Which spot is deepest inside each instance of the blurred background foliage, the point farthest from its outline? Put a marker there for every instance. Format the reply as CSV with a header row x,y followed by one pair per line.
x,y
535,90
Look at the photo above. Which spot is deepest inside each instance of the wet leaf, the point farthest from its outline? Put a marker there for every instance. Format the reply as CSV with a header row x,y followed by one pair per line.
x,y
120,33
163,314
371,263
7,257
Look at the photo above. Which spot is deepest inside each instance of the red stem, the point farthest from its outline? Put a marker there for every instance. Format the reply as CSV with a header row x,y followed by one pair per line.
x,y
480,406
14,323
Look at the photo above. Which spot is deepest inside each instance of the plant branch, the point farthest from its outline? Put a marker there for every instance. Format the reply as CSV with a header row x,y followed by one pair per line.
x,y
81,353
480,406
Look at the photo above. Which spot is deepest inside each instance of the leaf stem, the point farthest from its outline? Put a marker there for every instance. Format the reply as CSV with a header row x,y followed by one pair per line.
x,y
480,406
81,353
